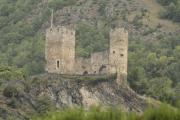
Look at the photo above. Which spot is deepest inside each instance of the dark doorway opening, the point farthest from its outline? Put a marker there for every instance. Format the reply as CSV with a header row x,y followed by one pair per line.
x,y
58,64
85,73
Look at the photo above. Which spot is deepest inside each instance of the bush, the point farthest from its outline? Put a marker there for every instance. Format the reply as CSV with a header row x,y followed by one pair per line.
x,y
166,2
163,112
149,31
172,12
160,88
137,21
11,73
10,91
44,104
13,103
58,4
102,7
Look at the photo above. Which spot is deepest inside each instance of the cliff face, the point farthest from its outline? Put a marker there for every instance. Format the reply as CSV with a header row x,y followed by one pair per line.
x,y
52,90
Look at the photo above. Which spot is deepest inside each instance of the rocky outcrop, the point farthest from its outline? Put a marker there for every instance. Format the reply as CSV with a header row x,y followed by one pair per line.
x,y
63,91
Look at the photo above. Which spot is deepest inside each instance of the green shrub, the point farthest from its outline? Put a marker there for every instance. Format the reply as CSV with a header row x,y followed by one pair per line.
x,y
13,103
10,91
58,4
160,88
172,11
11,73
44,104
166,2
102,7
149,31
164,112
137,21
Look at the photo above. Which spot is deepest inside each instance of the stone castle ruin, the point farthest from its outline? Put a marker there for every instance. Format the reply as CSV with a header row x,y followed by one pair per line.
x,y
61,59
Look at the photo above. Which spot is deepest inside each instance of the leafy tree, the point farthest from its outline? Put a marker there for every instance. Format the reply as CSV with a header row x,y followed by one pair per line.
x,y
161,88
10,91
173,10
58,4
11,73
154,69
167,2
137,79
44,104
90,39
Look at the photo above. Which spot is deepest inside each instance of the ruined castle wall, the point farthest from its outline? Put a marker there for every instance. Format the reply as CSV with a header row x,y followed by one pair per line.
x,y
60,54
96,64
83,66
99,62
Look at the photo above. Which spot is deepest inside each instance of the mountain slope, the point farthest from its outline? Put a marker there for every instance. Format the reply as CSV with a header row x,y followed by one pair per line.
x,y
154,44
23,24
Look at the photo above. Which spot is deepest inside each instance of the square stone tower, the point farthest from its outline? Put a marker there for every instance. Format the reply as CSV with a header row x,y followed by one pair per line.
x,y
60,50
118,52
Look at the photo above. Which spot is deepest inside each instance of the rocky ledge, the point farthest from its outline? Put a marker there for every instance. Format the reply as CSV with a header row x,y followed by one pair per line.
x,y
60,91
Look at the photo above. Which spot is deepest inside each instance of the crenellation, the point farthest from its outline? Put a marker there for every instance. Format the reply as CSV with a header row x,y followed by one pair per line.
x,y
61,59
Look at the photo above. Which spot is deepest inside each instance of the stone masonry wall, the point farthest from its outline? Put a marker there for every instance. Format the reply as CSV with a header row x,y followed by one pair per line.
x,y
96,64
60,54
60,50
99,62
118,52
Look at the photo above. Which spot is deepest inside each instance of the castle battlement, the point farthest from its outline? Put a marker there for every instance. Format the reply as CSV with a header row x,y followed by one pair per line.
x,y
120,30
61,29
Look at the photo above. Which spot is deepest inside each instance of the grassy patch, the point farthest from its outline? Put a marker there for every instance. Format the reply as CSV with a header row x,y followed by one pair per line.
x,y
164,112
91,77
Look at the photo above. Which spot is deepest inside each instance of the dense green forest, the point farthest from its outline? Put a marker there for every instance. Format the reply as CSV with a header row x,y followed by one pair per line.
x,y
154,67
20,43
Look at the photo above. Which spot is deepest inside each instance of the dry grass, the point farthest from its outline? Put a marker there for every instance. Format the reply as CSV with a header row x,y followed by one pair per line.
x,y
152,18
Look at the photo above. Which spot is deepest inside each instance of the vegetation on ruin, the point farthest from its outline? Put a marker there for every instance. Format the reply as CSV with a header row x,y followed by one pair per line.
x,y
90,77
